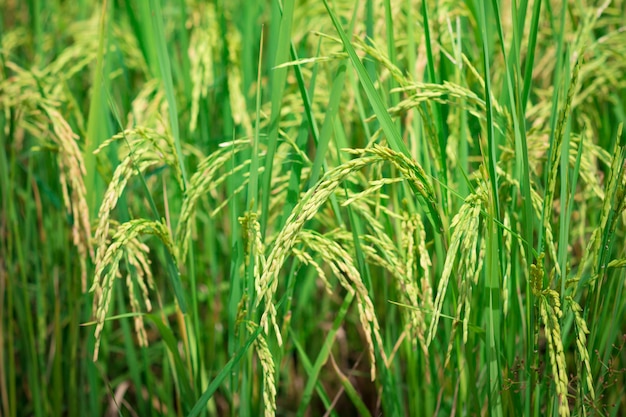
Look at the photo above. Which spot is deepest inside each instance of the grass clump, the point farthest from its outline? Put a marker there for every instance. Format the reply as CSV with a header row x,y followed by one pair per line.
x,y
374,208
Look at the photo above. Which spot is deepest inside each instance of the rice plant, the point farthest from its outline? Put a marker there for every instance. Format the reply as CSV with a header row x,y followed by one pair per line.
x,y
303,208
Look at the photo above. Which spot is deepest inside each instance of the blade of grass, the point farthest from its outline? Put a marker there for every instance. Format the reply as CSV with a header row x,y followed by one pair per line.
x,y
293,193
35,9
130,353
437,108
494,238
323,355
554,119
278,78
391,51
97,127
308,368
160,45
246,405
8,381
530,55
522,173
350,390
327,125
200,404
182,377
254,160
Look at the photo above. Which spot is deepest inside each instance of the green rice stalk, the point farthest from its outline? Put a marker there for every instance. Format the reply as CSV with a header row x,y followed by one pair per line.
x,y
413,240
306,259
268,369
550,310
311,202
555,156
71,175
145,149
253,245
613,203
581,343
548,302
464,239
35,98
203,181
350,279
380,250
254,254
107,269
508,240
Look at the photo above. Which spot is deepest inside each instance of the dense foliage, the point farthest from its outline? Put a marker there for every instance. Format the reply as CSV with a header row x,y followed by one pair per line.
x,y
394,207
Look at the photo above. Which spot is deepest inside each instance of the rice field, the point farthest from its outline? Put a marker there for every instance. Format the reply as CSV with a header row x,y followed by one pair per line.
x,y
312,208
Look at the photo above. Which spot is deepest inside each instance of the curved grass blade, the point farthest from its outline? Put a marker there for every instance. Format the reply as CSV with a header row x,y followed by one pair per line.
x,y
214,385
183,379
323,355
